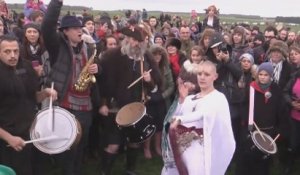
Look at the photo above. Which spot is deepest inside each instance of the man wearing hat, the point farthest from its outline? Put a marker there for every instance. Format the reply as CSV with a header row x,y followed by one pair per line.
x,y
122,66
68,57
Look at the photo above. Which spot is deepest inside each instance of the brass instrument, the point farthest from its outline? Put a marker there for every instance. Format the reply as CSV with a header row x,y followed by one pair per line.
x,y
85,78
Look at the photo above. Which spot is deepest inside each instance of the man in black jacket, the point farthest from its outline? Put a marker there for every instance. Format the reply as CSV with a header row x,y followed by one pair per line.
x,y
19,95
68,57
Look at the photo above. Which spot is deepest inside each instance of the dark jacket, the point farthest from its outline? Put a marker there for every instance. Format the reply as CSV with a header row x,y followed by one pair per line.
x,y
216,24
60,53
119,71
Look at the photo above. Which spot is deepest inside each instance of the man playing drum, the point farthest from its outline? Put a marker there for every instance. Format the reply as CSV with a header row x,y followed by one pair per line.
x,y
19,93
69,57
122,66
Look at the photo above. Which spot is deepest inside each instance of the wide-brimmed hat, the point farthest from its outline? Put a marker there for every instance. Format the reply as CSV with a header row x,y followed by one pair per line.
x,y
136,33
70,21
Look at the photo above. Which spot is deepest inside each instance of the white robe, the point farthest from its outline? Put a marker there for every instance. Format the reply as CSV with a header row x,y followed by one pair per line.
x,y
211,113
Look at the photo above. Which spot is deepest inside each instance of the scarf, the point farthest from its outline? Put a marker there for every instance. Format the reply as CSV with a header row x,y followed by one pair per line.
x,y
262,88
277,71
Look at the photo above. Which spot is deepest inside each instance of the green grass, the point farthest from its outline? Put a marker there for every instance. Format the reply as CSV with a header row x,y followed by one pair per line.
x,y
151,167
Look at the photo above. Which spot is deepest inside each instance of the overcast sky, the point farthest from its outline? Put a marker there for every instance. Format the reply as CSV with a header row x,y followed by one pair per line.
x,y
264,8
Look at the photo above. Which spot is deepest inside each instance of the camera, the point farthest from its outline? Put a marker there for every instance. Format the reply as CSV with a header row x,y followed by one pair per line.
x,y
223,47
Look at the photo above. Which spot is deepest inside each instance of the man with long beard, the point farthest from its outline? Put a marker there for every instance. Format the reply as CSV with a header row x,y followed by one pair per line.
x,y
122,66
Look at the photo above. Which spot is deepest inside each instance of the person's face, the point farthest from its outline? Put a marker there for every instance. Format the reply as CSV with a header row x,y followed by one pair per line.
x,y
152,22
73,34
195,56
32,35
166,32
206,41
184,33
227,39
276,56
111,43
269,35
264,77
39,20
291,36
90,26
9,53
206,77
211,12
159,41
172,50
283,34
237,38
295,57
104,27
157,58
215,50
245,64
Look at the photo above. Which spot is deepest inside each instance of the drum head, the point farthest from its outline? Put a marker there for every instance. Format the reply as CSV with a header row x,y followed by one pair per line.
x,y
264,144
130,114
65,128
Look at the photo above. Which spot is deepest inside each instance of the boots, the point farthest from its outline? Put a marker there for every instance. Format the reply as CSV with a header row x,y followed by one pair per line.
x,y
107,162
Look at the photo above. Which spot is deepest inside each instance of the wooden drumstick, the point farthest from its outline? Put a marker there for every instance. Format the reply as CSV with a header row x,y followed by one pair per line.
x,y
137,80
51,112
259,131
52,137
275,139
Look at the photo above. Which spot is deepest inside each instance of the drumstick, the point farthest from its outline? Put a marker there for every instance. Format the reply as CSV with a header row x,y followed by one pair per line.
x,y
259,131
53,137
137,80
51,112
275,139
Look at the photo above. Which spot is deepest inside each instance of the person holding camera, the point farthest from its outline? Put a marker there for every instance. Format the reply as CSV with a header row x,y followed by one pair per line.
x,y
220,53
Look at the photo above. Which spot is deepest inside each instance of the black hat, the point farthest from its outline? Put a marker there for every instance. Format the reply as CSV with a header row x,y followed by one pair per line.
x,y
32,25
86,19
174,42
70,21
159,35
216,40
135,32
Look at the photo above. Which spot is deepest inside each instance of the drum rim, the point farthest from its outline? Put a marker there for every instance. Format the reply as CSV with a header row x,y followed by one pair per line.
x,y
70,140
259,146
135,122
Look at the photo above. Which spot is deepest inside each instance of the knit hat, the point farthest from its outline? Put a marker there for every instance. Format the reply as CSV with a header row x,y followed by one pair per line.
x,y
159,35
248,57
70,21
32,25
279,46
267,66
135,32
174,42
86,19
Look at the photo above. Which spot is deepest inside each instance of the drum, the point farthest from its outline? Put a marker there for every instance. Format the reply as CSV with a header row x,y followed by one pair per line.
x,y
267,146
136,124
66,129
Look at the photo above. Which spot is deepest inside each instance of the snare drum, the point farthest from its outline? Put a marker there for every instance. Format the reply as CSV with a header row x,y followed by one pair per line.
x,y
65,126
267,146
136,124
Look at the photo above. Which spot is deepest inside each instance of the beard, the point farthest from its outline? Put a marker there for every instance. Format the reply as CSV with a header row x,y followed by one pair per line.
x,y
136,52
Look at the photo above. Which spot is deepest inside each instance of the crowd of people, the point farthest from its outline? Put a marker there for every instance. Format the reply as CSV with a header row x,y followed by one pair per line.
x,y
203,84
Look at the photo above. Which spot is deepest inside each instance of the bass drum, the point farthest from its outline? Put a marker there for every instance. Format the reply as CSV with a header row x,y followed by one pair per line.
x,y
66,129
136,124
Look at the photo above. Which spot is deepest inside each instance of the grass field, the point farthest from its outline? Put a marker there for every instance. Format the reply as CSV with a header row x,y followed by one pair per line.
x,y
148,167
